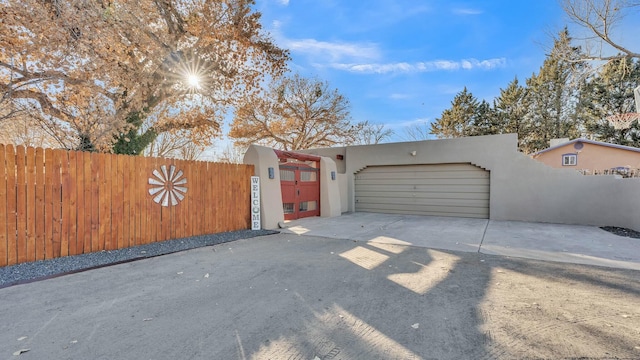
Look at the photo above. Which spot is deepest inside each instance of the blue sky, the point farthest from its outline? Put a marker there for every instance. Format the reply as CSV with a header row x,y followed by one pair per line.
x,y
400,62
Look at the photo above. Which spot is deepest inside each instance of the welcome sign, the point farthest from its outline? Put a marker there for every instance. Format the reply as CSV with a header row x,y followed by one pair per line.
x,y
255,203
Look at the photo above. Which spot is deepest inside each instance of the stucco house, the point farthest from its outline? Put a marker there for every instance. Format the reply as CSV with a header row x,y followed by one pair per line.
x,y
590,156
480,176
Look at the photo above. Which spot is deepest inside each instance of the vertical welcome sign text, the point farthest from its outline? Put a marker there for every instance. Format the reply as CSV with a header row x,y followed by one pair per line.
x,y
255,203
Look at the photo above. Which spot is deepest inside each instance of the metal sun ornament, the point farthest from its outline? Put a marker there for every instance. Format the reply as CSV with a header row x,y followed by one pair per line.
x,y
169,187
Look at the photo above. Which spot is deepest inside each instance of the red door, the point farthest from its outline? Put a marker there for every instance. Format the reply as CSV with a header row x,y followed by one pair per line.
x,y
300,184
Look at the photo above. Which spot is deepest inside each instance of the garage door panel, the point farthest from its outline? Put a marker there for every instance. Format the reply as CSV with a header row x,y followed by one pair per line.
x,y
427,213
441,190
424,181
421,201
425,174
421,168
424,188
482,194
428,209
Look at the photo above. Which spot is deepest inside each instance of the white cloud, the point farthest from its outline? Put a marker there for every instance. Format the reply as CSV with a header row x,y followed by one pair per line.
x,y
397,96
436,65
466,11
333,50
284,2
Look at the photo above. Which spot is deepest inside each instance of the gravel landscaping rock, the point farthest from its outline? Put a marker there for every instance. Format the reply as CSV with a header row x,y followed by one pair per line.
x,y
26,272
622,231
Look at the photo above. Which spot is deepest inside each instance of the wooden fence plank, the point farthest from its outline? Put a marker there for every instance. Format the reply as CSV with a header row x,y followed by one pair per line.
x,y
48,204
151,218
132,197
3,208
126,201
115,202
118,218
12,221
100,218
106,205
196,187
80,208
138,192
56,184
65,224
72,199
213,203
200,185
205,196
31,204
219,198
93,200
156,216
165,211
189,200
172,211
21,204
147,202
40,216
143,196
177,211
225,197
193,196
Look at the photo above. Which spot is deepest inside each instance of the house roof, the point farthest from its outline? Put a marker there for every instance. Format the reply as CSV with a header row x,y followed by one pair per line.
x,y
587,141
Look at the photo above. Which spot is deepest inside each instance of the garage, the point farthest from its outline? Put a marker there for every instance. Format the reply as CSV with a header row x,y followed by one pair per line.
x,y
459,189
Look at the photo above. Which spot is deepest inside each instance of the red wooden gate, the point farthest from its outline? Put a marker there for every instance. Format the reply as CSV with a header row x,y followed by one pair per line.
x,y
300,184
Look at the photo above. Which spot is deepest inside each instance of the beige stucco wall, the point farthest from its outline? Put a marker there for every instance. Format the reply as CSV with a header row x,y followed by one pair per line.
x,y
329,189
521,188
591,157
262,158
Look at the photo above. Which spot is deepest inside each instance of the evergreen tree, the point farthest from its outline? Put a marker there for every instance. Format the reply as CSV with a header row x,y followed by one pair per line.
x,y
458,120
610,92
485,121
553,95
510,109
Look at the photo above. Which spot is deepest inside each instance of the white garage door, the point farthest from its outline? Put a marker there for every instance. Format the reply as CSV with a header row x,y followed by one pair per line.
x,y
439,190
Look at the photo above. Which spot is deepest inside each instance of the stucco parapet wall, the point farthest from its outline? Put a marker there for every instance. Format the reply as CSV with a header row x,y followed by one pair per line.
x,y
337,154
472,149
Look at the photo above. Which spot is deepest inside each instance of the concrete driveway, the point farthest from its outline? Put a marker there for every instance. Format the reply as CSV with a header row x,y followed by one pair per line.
x,y
286,296
550,242
402,288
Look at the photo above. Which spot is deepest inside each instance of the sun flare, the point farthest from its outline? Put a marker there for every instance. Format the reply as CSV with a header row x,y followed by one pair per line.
x,y
193,80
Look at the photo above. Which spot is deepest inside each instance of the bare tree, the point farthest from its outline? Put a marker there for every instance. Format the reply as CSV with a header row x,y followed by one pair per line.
x,y
25,128
600,18
417,132
295,113
179,145
369,134
232,154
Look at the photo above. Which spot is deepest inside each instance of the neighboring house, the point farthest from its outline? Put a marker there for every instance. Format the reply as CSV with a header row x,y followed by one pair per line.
x,y
590,156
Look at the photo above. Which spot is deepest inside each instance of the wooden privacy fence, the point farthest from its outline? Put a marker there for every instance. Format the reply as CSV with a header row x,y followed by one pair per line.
x,y
57,203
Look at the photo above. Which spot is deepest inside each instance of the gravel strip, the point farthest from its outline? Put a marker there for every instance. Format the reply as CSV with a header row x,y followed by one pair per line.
x,y
26,272
622,231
